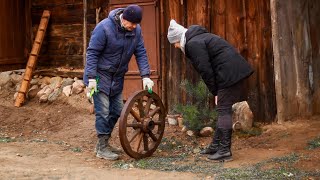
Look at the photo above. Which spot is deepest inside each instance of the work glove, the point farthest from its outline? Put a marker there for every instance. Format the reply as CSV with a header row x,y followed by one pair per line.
x,y
147,84
92,87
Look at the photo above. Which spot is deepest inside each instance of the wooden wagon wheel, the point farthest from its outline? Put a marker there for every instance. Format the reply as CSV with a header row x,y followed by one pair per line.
x,y
142,124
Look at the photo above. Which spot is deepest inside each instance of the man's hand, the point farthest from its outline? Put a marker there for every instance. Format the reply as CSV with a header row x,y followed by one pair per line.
x,y
91,86
147,84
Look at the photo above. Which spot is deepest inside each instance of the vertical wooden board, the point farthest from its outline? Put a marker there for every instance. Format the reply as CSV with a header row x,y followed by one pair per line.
x,y
12,34
261,91
175,67
218,18
235,25
294,49
175,8
303,56
198,13
314,76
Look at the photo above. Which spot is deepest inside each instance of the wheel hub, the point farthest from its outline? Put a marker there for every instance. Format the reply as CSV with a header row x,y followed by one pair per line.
x,y
148,125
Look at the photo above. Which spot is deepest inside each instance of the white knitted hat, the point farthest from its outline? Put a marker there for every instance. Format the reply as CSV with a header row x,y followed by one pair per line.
x,y
175,32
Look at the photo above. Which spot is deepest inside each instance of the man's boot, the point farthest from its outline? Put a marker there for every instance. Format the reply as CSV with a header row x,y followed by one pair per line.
x,y
214,145
103,151
224,152
113,149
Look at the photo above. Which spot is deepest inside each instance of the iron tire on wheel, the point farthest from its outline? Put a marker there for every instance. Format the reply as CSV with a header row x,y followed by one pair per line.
x,y
142,124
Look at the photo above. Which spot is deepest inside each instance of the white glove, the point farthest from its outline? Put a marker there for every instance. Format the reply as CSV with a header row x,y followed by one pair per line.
x,y
147,82
92,85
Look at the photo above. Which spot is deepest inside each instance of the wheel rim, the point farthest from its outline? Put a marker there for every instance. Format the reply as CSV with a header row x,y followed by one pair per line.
x,y
142,124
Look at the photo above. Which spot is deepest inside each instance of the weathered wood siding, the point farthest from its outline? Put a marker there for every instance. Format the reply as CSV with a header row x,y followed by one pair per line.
x,y
63,43
296,57
15,33
314,16
246,25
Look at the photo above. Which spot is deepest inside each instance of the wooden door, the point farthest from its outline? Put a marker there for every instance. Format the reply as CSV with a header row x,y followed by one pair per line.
x,y
13,36
150,32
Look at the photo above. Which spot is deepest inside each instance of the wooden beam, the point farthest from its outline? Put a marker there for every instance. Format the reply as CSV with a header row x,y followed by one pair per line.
x,y
62,73
277,63
84,31
33,58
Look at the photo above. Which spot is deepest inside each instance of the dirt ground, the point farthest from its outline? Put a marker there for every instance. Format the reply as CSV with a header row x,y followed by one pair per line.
x,y
56,141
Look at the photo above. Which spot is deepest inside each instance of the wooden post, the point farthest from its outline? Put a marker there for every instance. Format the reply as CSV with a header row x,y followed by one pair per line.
x,y
277,63
97,14
33,58
84,31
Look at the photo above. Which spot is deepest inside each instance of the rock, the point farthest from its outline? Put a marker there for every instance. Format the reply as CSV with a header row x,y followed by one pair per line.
x,y
172,120
15,96
20,71
242,114
16,78
5,77
18,86
43,98
33,91
81,83
54,95
184,129
196,150
67,90
45,80
190,133
9,85
55,82
180,121
42,86
77,87
206,131
34,81
46,90
67,82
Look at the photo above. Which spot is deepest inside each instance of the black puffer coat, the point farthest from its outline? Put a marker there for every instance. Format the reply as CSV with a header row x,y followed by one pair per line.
x,y
218,62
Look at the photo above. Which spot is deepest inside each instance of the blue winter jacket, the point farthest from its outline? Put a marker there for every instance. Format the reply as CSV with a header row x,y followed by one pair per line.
x,y
109,52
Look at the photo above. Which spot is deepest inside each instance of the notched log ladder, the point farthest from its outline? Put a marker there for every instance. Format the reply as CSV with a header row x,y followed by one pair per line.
x,y
33,58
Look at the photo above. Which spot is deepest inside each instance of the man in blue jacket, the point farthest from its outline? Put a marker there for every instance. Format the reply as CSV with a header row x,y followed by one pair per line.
x,y
223,70
113,42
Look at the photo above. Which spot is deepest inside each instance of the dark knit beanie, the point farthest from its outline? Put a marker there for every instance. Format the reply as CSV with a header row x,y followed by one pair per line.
x,y
133,13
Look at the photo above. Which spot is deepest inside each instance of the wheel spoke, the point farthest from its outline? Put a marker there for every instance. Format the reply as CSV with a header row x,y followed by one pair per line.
x,y
140,107
138,143
153,112
153,137
145,142
135,115
157,123
136,133
147,107
135,125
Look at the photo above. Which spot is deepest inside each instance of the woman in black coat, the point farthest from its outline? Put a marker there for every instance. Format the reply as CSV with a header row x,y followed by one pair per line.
x,y
223,70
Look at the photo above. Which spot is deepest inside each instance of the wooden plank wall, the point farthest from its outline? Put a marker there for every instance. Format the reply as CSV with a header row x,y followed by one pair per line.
x,y
246,25
63,43
14,34
314,20
296,40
